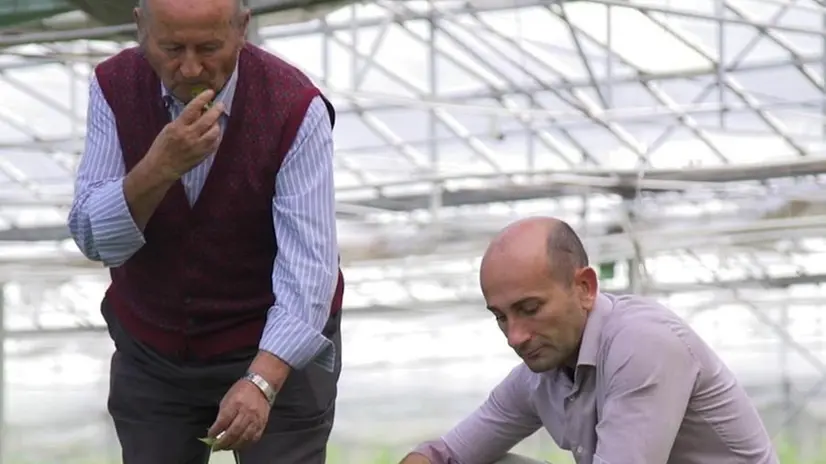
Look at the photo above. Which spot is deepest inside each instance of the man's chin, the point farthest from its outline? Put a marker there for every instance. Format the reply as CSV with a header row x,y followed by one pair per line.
x,y
539,365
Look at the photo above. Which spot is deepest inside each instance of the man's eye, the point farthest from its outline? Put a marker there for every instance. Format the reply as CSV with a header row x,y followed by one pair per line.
x,y
530,310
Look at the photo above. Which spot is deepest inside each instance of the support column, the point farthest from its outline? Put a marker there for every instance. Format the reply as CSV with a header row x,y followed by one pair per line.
x,y
823,68
786,382
435,204
2,369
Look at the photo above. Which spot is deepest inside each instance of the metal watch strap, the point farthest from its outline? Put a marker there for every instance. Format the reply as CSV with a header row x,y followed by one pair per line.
x,y
262,385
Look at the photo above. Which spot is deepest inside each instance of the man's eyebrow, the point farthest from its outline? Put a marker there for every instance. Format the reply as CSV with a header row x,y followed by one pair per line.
x,y
524,301
521,302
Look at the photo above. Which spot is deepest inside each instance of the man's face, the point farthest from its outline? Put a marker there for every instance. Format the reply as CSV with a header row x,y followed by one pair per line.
x,y
192,44
542,317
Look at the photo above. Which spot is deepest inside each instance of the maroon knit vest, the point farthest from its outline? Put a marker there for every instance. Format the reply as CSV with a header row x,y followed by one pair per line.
x,y
201,285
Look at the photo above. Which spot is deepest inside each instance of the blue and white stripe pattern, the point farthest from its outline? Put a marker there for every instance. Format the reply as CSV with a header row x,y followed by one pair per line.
x,y
305,270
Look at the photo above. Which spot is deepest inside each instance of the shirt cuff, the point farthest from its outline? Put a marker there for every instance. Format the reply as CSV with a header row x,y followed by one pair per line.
x,y
295,342
436,451
115,234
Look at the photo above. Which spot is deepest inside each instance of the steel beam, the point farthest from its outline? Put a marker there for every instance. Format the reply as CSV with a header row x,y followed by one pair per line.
x,y
3,337
128,30
657,290
512,187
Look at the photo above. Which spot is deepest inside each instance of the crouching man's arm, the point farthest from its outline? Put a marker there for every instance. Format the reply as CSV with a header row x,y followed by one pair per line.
x,y
503,420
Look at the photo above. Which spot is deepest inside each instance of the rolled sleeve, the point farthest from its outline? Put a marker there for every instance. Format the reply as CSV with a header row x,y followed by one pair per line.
x,y
650,374
113,229
305,268
100,221
296,342
436,451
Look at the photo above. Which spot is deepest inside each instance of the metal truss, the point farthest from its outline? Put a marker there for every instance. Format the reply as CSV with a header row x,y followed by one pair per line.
x,y
684,143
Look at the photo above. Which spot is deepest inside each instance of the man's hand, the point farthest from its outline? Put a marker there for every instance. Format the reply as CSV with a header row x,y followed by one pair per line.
x,y
242,417
186,141
244,410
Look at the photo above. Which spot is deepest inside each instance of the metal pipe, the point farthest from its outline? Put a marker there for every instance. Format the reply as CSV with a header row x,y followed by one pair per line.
x,y
2,368
668,179
433,121
693,14
720,10
104,32
609,55
823,71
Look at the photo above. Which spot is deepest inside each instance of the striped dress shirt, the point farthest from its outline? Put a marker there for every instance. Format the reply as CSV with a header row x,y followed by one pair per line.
x,y
305,269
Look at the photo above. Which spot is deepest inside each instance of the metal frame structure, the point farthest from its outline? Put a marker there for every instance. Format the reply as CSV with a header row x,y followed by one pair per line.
x,y
685,143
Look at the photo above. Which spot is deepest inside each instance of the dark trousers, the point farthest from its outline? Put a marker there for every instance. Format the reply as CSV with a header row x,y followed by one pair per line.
x,y
161,407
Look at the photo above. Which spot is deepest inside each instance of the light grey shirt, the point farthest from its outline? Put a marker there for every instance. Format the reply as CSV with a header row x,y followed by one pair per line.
x,y
646,390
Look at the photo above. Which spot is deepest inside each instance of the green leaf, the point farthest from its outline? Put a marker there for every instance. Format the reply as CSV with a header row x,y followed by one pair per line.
x,y
209,441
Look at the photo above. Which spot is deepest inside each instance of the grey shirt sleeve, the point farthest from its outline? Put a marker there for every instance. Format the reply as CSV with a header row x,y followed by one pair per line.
x,y
502,421
646,396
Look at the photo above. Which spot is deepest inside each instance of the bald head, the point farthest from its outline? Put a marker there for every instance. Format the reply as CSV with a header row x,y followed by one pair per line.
x,y
563,254
537,283
233,8
192,44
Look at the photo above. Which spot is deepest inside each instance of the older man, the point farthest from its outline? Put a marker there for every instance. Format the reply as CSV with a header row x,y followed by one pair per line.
x,y
207,189
614,379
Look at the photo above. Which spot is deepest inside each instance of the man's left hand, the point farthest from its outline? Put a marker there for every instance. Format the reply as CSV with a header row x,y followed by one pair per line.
x,y
242,417
244,411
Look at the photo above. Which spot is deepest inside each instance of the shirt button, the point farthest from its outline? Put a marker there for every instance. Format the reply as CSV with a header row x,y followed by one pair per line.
x,y
578,450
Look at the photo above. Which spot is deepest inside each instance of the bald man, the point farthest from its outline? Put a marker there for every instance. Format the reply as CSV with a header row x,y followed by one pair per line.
x,y
614,379
206,188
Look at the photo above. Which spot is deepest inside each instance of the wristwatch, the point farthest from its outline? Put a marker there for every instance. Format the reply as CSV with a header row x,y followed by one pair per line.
x,y
262,384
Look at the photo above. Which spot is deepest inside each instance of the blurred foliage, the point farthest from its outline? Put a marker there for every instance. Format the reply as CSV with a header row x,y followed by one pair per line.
x,y
390,455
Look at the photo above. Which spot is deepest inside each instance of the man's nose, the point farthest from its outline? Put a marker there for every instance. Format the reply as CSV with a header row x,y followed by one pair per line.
x,y
517,335
191,66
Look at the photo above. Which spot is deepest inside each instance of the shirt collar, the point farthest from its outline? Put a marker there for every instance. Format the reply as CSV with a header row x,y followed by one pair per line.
x,y
225,96
593,330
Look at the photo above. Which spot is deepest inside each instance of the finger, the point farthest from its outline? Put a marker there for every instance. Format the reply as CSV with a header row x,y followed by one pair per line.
x,y
225,417
251,435
233,433
208,119
259,431
211,135
209,141
196,106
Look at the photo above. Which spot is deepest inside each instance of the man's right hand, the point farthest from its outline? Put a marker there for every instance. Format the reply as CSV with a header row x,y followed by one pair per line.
x,y
190,138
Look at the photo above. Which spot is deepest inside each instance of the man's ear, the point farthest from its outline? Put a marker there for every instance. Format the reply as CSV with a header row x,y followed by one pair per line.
x,y
244,22
587,286
137,15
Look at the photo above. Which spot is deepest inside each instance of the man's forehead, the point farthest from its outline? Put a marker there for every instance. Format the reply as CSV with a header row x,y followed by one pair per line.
x,y
188,11
516,246
507,273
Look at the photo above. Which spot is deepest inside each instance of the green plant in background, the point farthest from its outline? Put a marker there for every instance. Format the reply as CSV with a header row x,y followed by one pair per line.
x,y
787,453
